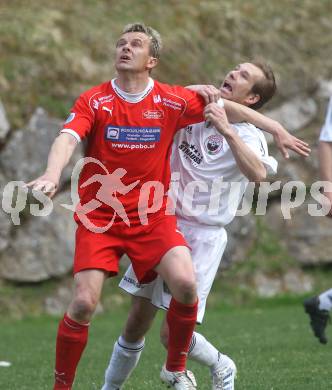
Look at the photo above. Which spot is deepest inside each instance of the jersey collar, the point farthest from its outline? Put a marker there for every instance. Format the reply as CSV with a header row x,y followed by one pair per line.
x,y
133,97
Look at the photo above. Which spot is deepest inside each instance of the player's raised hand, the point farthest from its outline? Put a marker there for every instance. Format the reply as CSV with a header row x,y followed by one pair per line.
x,y
209,92
284,141
216,115
46,184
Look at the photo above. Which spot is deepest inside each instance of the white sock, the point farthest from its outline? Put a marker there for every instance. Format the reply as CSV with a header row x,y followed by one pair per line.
x,y
203,352
325,300
124,359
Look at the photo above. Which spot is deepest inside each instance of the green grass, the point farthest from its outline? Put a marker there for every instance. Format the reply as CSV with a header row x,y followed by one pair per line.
x,y
270,342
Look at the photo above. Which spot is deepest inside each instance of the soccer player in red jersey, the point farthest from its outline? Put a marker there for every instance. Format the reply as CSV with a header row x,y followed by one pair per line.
x,y
129,123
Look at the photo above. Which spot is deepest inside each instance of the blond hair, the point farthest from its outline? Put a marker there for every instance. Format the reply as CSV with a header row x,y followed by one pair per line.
x,y
155,38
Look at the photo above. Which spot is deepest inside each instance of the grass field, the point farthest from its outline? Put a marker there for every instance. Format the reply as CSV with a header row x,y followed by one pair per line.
x,y
270,342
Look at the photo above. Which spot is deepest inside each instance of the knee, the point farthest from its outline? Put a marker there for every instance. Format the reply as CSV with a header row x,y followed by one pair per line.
x,y
83,306
187,290
177,270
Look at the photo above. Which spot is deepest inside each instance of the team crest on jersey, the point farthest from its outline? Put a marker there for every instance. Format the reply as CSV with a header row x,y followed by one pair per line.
x,y
213,144
70,117
153,114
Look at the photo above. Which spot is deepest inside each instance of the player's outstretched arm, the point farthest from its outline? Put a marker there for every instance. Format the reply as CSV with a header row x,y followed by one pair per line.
x,y
248,162
284,140
59,156
209,92
239,113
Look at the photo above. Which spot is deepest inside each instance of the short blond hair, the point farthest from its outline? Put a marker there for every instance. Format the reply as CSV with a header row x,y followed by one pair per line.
x,y
155,38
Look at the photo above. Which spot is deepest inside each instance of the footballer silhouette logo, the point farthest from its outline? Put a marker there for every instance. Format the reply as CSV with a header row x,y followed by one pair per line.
x,y
111,186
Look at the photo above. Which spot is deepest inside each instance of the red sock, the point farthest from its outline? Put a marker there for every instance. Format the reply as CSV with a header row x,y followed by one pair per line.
x,y
70,343
181,321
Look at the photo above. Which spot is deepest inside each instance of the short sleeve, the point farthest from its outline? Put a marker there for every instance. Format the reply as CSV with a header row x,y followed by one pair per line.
x,y
80,120
193,111
326,131
256,141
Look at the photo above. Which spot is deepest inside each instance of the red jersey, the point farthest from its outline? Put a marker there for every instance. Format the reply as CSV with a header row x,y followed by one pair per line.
x,y
131,140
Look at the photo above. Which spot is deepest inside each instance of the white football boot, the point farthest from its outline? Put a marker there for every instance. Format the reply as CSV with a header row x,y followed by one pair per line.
x,y
223,374
180,380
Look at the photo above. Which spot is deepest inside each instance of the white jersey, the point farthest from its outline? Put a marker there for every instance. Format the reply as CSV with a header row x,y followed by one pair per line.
x,y
326,132
207,170
201,155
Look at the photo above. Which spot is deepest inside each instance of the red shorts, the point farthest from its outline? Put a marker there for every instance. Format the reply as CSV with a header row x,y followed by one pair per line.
x,y
145,246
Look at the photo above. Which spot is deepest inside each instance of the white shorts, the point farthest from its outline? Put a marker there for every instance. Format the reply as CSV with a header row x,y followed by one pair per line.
x,y
207,247
326,132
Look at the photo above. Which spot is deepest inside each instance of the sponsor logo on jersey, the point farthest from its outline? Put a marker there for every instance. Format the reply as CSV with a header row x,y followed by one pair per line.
x,y
110,110
132,146
112,133
132,134
156,99
189,129
153,114
172,104
191,153
101,100
70,117
214,143
106,99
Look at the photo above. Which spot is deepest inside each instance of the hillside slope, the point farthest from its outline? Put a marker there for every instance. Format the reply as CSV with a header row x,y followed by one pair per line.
x,y
50,51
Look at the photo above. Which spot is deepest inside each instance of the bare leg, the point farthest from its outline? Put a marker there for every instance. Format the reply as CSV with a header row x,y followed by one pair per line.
x,y
88,285
177,271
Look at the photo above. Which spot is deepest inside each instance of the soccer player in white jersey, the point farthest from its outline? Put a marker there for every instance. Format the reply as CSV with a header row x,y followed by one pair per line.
x,y
206,161
325,153
319,307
